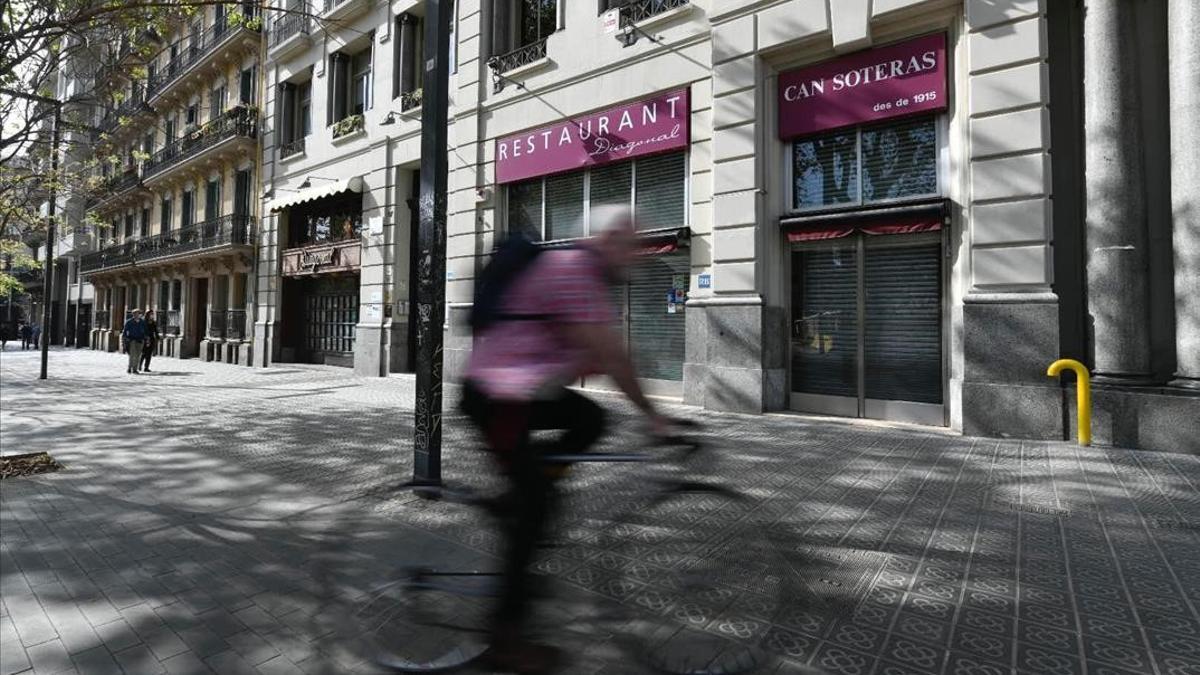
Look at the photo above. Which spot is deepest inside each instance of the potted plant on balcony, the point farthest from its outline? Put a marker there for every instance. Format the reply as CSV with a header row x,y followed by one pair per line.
x,y
347,125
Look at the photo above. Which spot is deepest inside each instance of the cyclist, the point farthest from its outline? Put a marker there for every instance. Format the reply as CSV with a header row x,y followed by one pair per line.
x,y
555,323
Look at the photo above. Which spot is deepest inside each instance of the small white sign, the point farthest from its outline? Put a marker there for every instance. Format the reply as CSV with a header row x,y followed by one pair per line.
x,y
611,21
375,224
374,312
376,296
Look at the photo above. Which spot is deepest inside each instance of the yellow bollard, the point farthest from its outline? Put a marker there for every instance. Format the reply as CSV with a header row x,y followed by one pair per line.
x,y
1083,395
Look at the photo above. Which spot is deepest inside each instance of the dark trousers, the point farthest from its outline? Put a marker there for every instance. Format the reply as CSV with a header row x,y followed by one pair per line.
x,y
147,352
26,342
530,496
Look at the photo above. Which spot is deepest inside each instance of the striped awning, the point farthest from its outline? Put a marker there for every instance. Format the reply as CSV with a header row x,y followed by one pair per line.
x,y
354,184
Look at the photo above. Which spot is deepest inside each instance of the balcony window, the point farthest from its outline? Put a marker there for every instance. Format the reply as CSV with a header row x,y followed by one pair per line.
x,y
360,82
407,71
521,25
192,116
169,130
294,115
128,226
187,214
212,199
349,84
165,215
216,102
246,85
145,224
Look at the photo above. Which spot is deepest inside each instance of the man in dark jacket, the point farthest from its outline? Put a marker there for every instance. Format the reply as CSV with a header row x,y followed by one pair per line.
x,y
134,333
26,333
151,344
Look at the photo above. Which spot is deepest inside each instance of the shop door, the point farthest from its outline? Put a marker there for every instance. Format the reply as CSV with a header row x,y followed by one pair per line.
x,y
652,321
198,319
866,329
330,317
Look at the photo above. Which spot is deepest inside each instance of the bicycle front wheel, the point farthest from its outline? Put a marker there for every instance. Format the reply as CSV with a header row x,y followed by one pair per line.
x,y
698,579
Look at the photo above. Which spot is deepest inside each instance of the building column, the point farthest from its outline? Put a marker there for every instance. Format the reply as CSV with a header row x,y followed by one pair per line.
x,y
1184,25
1117,236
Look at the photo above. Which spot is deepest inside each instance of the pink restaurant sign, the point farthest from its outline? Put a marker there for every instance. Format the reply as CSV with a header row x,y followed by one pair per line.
x,y
649,126
878,84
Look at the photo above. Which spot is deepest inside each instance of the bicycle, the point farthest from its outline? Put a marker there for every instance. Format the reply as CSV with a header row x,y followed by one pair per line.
x,y
684,581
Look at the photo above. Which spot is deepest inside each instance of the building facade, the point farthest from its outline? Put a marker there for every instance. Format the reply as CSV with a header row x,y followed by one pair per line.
x,y
178,139
341,164
899,210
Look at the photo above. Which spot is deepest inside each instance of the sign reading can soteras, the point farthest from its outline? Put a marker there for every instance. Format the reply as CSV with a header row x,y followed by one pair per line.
x,y
878,84
649,126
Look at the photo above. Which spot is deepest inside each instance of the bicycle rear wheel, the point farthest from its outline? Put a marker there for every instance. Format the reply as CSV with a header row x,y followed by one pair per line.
x,y
383,614
698,580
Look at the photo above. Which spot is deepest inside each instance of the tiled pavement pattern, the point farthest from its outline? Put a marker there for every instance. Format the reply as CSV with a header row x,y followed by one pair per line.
x,y
183,533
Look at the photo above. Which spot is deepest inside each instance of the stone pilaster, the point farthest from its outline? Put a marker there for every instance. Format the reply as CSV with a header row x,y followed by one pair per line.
x,y
1117,236
1184,26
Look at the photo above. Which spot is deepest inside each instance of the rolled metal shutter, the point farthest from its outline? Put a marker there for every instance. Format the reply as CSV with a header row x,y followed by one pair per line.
x,y
903,332
656,334
825,322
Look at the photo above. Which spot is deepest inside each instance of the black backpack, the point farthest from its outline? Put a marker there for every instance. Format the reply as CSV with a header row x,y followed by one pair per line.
x,y
514,255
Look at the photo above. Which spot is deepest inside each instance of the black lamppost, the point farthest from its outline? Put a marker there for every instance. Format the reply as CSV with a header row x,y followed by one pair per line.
x,y
431,244
48,272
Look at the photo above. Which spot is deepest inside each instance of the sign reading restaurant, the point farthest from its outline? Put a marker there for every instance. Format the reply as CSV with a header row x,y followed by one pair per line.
x,y
877,84
656,124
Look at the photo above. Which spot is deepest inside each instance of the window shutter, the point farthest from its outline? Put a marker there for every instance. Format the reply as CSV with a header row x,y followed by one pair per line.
x,y
611,185
661,192
564,206
525,208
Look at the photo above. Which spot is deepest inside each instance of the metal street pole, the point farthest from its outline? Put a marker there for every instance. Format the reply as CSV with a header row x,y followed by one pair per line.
x,y
48,277
431,244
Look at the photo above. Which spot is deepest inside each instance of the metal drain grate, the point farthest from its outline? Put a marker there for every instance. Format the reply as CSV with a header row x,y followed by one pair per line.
x,y
1039,505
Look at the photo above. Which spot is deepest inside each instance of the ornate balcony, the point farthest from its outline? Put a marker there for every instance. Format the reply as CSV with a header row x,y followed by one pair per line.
x,y
216,324
520,57
636,11
235,324
290,32
341,10
198,50
211,236
323,258
170,323
347,126
237,123
113,190
291,148
130,109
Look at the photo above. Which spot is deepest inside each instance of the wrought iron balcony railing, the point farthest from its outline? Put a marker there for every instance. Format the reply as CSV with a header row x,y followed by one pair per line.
x,y
633,11
235,324
117,255
296,21
240,121
216,323
170,322
195,49
521,56
291,148
126,110
231,230
117,185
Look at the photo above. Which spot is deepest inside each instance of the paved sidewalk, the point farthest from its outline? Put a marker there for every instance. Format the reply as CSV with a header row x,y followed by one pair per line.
x,y
185,533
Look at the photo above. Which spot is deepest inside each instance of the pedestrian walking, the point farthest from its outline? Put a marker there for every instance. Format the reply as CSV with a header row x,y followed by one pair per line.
x,y
151,344
5,330
134,334
26,334
35,336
